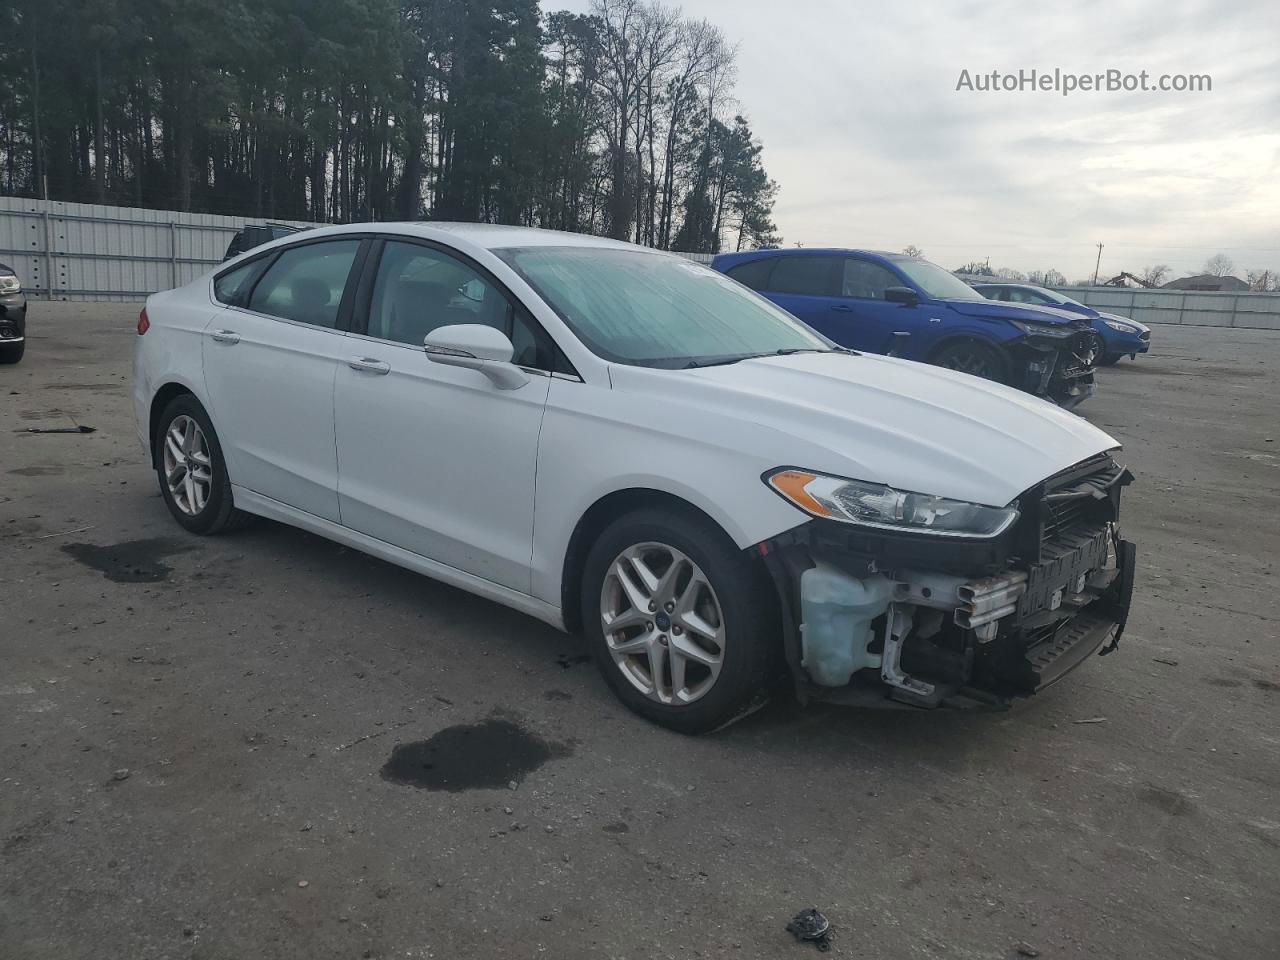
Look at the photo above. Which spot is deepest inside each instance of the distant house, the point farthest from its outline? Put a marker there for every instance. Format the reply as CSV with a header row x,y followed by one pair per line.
x,y
1207,281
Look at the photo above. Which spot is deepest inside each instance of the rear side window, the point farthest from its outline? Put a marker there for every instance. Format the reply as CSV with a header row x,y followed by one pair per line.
x,y
811,276
229,287
306,283
754,273
867,280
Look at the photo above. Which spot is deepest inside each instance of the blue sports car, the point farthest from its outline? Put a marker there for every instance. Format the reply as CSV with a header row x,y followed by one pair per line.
x,y
1120,335
894,304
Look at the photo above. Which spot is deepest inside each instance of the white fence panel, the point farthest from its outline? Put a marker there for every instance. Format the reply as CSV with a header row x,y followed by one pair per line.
x,y
83,251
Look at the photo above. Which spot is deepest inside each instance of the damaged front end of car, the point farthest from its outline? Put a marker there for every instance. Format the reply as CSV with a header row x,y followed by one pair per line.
x,y
1057,360
884,616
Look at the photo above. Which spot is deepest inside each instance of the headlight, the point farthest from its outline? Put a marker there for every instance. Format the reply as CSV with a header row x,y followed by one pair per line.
x,y
1119,327
1044,329
875,505
10,284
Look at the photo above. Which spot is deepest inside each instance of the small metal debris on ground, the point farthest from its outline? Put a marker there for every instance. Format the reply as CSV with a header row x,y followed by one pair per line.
x,y
1167,663
64,533
810,925
120,775
60,430
1026,950
1092,720
304,883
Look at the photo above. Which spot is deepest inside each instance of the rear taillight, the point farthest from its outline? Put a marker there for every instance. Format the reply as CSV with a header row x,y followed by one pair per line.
x,y
143,323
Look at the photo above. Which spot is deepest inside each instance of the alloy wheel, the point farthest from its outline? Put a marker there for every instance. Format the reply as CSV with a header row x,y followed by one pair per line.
x,y
967,360
663,624
188,468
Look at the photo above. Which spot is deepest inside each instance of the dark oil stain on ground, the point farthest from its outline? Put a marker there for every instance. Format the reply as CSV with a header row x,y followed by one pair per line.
x,y
1171,802
558,696
619,827
83,386
39,471
1223,682
134,561
489,755
566,661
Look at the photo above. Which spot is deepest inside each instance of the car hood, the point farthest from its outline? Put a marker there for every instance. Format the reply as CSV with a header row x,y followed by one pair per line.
x,y
1029,312
909,425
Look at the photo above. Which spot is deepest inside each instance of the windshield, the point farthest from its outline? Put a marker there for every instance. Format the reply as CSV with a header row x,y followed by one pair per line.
x,y
655,310
1056,297
937,283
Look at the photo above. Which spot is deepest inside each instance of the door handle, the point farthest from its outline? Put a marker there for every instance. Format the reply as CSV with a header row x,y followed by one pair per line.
x,y
225,336
842,307
369,365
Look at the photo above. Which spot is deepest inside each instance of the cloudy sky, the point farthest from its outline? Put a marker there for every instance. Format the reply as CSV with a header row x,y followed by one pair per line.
x,y
873,146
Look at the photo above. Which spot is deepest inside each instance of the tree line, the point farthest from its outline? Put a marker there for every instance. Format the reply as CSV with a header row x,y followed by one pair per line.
x,y
620,122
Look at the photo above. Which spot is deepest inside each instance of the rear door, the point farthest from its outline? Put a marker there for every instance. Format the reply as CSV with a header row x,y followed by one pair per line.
x,y
805,285
435,459
269,364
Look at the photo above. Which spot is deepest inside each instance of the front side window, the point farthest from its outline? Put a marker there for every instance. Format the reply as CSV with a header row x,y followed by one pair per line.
x,y
306,283
867,280
805,275
652,309
420,289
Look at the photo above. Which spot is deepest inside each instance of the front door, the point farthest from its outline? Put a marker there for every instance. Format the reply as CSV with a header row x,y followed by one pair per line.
x,y
270,366
435,459
875,324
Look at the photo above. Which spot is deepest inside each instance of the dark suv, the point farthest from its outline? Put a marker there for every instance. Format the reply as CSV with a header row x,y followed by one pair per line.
x,y
13,317
255,235
911,308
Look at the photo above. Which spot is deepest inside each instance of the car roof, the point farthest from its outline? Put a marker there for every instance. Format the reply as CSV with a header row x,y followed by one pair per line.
x,y
794,251
490,236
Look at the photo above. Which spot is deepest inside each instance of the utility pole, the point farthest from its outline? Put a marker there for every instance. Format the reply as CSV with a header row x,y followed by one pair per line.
x,y
1096,265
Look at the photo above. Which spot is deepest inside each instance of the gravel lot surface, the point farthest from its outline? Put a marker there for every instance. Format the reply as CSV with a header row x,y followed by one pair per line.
x,y
213,748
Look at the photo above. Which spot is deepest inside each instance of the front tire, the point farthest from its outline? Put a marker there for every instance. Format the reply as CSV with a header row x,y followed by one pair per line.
x,y
681,623
12,352
973,357
191,469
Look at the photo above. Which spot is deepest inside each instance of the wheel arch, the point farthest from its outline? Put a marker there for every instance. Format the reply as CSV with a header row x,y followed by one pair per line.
x,y
594,521
950,339
163,396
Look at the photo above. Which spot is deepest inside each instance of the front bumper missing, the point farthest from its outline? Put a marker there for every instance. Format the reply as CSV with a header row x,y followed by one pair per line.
x,y
1060,367
944,639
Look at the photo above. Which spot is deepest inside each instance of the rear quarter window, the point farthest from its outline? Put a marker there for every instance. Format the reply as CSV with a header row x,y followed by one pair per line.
x,y
229,287
754,273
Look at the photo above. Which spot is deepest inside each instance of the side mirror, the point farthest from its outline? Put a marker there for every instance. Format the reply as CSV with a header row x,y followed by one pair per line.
x,y
903,295
476,347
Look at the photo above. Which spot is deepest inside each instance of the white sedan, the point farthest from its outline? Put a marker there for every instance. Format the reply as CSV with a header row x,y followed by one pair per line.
x,y
622,442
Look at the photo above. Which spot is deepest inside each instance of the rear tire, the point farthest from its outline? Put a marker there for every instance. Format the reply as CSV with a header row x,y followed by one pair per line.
x,y
973,357
12,352
703,683
192,471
